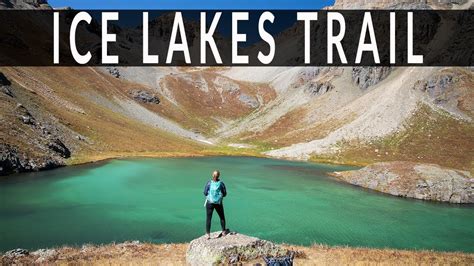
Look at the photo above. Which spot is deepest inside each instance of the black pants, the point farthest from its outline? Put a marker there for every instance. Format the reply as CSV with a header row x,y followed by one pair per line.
x,y
220,211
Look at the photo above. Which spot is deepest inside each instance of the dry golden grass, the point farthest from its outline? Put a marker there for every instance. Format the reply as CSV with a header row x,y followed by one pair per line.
x,y
198,108
77,98
276,136
109,134
325,255
290,129
175,254
112,254
430,137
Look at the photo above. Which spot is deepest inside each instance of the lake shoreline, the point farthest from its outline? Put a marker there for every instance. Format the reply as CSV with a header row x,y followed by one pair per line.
x,y
135,252
159,155
314,160
104,157
95,193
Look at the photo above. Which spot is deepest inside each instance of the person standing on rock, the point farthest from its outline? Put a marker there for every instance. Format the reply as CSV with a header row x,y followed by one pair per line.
x,y
215,191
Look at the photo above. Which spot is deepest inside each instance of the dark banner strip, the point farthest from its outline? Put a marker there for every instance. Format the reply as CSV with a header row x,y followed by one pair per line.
x,y
236,38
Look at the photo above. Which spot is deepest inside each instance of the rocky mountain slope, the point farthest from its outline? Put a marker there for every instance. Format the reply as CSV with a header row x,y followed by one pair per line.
x,y
387,4
62,115
51,116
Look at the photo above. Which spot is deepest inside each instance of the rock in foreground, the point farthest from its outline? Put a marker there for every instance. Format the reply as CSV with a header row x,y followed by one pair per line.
x,y
413,180
135,253
229,249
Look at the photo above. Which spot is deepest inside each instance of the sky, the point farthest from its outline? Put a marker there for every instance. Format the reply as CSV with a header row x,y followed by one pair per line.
x,y
192,4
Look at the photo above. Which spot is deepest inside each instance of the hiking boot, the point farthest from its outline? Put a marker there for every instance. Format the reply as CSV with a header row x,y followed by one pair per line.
x,y
225,232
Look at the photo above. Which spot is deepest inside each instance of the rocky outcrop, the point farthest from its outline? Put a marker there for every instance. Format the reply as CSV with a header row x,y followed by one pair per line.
x,y
249,101
436,85
5,85
230,249
414,180
58,147
20,255
3,80
24,115
318,88
365,77
12,160
6,90
24,4
30,141
54,144
225,85
18,252
357,4
144,96
115,72
449,89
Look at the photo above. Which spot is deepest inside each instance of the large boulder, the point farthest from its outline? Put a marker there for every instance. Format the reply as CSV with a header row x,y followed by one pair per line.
x,y
414,180
230,249
144,96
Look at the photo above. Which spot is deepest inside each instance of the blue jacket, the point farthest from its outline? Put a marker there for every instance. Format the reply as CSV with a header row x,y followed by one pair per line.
x,y
223,189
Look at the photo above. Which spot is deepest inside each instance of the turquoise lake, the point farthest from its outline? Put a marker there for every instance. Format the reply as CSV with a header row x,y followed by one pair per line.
x,y
161,201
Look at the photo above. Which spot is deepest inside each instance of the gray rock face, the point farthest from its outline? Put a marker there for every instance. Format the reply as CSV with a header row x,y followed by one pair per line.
x,y
11,160
5,85
438,88
3,80
318,88
15,253
412,180
358,4
43,142
144,96
24,4
58,146
113,71
436,84
365,77
25,116
447,89
249,101
7,90
41,256
229,249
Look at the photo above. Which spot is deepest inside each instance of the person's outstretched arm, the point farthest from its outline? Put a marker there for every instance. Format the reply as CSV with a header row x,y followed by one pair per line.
x,y
224,190
206,188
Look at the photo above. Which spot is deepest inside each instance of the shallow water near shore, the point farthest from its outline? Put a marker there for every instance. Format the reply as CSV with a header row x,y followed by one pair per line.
x,y
161,201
